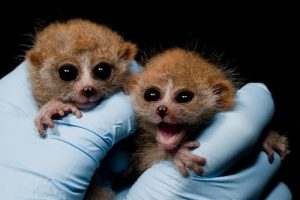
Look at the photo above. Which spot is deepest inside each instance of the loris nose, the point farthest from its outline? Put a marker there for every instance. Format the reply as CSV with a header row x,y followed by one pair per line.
x,y
162,111
88,91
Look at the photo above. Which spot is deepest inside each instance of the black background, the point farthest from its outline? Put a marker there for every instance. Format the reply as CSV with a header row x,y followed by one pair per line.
x,y
261,40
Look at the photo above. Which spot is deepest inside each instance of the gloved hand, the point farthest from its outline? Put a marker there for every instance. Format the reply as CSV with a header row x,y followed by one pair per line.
x,y
59,166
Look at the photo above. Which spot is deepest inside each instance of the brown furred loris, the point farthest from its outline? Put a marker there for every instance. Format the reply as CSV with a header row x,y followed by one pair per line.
x,y
177,91
175,94
73,65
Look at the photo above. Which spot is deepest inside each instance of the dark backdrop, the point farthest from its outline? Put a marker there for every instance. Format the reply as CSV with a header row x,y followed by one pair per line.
x,y
261,41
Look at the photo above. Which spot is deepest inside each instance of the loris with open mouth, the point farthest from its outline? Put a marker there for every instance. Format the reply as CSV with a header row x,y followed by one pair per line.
x,y
175,94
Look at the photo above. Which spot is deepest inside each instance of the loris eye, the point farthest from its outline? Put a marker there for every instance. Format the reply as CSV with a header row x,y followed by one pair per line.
x,y
68,72
152,94
184,96
102,70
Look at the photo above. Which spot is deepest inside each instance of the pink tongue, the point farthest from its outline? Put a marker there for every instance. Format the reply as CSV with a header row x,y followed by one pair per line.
x,y
170,129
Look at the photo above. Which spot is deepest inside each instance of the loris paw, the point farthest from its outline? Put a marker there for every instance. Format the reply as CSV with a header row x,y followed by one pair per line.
x,y
184,159
274,142
51,110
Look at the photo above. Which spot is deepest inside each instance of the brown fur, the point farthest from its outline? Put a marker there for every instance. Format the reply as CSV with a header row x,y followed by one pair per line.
x,y
69,42
176,69
97,193
84,45
170,72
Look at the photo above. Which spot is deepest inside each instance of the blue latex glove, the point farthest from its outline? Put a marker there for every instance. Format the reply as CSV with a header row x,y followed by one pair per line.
x,y
230,136
61,165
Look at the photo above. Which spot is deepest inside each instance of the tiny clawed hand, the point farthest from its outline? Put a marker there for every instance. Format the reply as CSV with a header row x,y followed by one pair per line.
x,y
184,159
274,142
51,110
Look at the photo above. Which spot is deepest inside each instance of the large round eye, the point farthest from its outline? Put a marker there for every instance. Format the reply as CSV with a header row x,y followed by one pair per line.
x,y
102,70
68,72
152,94
184,96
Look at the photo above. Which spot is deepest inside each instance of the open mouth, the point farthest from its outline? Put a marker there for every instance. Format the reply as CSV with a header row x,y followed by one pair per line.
x,y
169,135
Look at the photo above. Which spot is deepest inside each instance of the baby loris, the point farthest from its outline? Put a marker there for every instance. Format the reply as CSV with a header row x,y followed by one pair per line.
x,y
74,65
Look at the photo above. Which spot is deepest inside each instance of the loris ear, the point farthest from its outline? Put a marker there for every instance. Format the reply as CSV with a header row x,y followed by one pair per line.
x,y
130,83
225,91
127,52
35,57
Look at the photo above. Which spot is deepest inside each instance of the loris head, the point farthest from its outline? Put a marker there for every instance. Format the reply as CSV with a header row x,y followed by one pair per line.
x,y
177,91
79,62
